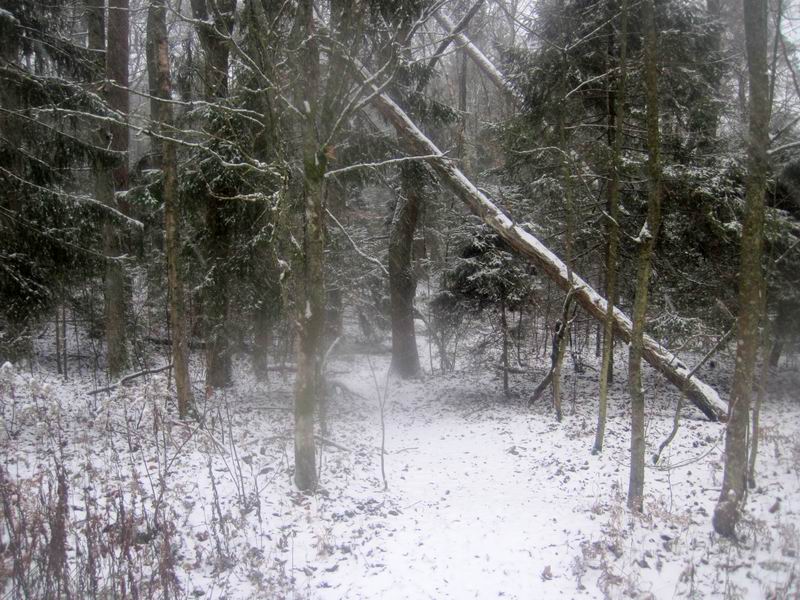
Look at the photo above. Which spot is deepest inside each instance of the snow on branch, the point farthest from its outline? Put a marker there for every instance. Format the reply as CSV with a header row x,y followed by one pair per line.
x,y
480,59
80,199
383,163
358,250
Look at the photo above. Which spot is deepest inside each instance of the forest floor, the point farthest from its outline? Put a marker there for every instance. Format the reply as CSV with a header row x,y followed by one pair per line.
x,y
484,496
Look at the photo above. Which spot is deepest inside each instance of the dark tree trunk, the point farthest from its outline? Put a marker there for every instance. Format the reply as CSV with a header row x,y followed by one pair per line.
x,y
402,283
214,21
159,52
504,327
728,510
112,64
216,300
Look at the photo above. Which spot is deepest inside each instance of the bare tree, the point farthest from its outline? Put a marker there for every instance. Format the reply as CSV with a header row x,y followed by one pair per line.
x,y
159,53
310,286
734,483
214,21
647,241
617,115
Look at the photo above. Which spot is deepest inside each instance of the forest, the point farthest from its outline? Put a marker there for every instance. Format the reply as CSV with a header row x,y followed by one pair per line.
x,y
399,299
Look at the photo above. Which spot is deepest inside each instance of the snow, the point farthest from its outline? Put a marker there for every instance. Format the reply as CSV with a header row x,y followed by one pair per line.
x,y
486,497
8,16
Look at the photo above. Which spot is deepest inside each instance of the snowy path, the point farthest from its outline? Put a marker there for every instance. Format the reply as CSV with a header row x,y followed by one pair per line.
x,y
486,498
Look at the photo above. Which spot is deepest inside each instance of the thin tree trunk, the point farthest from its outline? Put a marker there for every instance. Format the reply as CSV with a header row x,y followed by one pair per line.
x,y
728,509
64,343
647,239
612,227
756,419
58,342
157,39
504,327
563,334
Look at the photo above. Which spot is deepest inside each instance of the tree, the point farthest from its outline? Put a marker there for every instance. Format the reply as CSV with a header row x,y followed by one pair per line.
x,y
214,22
402,281
112,178
617,117
159,53
734,483
48,118
310,285
527,245
647,241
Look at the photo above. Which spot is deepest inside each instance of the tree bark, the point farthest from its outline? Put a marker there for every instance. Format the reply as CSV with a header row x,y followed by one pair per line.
x,y
214,21
159,51
310,302
647,241
728,509
402,283
528,246
107,178
617,117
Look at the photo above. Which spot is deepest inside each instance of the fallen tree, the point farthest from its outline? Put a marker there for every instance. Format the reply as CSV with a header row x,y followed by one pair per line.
x,y
526,244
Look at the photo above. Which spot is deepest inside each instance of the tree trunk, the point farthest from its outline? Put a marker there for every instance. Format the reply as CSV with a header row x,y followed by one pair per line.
x,y
617,117
525,244
402,283
216,299
159,51
106,178
212,28
310,303
562,334
647,241
728,509
504,327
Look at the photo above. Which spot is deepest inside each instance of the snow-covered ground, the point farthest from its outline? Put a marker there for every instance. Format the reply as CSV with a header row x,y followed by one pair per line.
x,y
485,497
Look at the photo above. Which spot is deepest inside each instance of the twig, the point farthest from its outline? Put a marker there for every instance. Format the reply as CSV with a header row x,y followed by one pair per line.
x,y
360,252
333,444
128,378
677,419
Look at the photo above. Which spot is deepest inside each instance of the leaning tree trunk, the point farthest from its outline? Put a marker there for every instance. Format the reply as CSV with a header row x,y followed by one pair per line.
x,y
159,52
734,483
700,394
647,241
527,245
